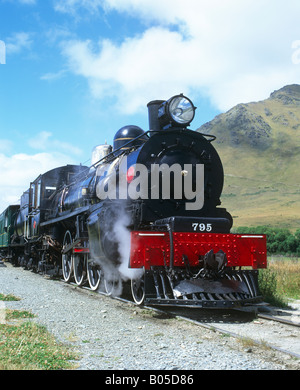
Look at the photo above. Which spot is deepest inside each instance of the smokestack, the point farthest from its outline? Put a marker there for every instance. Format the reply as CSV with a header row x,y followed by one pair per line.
x,y
153,114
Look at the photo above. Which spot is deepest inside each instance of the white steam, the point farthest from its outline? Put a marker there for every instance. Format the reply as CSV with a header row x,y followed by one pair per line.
x,y
123,238
114,274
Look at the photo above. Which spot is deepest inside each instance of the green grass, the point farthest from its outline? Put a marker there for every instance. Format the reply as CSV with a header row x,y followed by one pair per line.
x,y
287,272
18,314
26,345
268,287
29,346
8,297
280,281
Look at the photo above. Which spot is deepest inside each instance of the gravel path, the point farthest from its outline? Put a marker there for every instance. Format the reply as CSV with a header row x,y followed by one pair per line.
x,y
112,335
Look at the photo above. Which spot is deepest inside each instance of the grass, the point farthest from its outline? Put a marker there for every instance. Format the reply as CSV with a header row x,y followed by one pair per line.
x,y
17,314
26,345
29,346
287,272
8,297
281,280
257,202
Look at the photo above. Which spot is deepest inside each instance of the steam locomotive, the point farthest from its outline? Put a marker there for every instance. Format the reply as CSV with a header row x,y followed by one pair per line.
x,y
147,212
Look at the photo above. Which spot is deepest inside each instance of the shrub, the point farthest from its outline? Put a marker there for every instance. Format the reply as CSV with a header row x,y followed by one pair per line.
x,y
279,241
268,287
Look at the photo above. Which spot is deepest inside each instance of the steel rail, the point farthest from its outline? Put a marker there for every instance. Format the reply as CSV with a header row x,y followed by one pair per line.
x,y
278,319
195,322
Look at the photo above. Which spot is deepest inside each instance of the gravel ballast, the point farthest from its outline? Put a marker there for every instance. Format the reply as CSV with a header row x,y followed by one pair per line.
x,y
112,335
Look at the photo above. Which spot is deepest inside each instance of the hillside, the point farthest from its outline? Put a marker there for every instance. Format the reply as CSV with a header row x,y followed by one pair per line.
x,y
259,144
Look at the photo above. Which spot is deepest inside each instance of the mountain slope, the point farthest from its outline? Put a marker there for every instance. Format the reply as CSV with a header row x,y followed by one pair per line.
x,y
259,144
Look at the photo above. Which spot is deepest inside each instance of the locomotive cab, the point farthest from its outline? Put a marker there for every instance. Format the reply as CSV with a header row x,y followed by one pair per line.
x,y
36,202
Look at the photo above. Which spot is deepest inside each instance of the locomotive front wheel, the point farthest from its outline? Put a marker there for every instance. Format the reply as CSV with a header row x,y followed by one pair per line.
x,y
138,290
113,286
94,274
79,269
67,258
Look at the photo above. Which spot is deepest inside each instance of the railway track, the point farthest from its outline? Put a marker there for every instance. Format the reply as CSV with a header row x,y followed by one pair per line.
x,y
265,330
278,319
237,323
117,334
248,330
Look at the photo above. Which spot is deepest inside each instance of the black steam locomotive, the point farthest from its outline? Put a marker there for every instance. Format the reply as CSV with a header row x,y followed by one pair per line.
x,y
146,211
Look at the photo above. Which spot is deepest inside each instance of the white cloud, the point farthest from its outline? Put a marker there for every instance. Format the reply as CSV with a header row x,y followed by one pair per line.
x,y
19,170
17,42
44,141
40,140
233,51
71,6
133,72
53,76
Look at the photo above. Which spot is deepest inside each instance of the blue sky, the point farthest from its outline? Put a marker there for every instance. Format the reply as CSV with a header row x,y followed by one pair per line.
x,y
76,71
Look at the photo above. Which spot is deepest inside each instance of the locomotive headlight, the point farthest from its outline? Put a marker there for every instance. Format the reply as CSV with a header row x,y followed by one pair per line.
x,y
179,110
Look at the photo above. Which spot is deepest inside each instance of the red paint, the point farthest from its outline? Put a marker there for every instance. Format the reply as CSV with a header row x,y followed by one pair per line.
x,y
81,250
151,248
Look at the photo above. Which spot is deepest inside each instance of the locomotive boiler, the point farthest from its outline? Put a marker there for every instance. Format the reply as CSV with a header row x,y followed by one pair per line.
x,y
147,211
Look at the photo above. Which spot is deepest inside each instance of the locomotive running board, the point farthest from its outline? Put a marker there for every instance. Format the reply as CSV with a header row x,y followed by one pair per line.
x,y
237,289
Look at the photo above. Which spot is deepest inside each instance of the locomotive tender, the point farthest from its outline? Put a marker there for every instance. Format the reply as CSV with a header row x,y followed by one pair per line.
x,y
146,211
